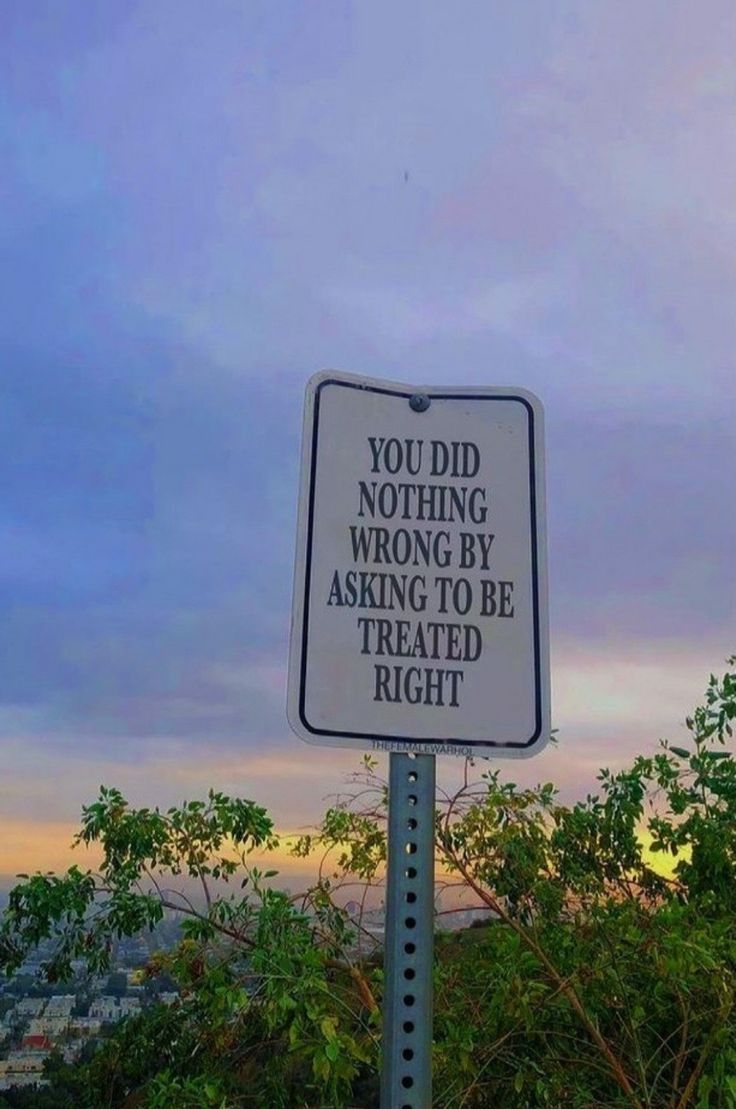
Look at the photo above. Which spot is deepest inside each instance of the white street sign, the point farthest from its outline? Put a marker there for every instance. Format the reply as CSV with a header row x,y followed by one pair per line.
x,y
420,601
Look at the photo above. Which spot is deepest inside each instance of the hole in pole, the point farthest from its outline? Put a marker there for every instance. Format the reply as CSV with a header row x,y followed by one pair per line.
x,y
407,1053
412,799
411,897
412,776
410,973
410,948
408,1026
411,872
407,1081
411,823
411,848
410,922
408,1000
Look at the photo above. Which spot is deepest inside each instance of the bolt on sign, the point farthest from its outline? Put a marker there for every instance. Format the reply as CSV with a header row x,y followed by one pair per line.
x,y
420,604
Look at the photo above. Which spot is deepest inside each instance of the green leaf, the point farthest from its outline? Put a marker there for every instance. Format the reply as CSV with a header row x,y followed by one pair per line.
x,y
332,1050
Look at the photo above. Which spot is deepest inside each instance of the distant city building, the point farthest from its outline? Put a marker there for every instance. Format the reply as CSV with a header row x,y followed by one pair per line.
x,y
60,1005
36,1043
23,1062
85,1026
51,1026
111,1009
105,1008
22,1068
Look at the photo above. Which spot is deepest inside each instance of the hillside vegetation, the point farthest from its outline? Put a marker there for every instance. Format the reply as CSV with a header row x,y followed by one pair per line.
x,y
602,977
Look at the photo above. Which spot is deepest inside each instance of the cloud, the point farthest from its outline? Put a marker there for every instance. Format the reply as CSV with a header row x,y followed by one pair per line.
x,y
630,685
627,691
29,845
199,213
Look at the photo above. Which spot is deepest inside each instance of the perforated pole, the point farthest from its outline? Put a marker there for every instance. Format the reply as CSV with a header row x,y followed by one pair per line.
x,y
406,1078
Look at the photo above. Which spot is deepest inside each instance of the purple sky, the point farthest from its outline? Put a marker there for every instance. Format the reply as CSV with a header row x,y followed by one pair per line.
x,y
202,204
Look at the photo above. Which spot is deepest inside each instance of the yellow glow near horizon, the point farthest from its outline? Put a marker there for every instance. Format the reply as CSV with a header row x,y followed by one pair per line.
x,y
27,846
661,862
30,846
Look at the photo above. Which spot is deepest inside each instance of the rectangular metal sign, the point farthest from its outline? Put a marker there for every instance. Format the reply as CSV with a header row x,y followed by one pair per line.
x,y
420,604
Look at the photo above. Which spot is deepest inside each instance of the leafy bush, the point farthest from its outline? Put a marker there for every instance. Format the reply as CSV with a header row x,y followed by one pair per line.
x,y
602,978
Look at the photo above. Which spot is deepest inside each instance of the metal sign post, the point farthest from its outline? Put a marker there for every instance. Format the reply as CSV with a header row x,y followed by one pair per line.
x,y
419,626
406,1080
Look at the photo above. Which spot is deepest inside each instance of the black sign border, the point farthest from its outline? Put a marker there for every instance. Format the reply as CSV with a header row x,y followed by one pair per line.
x,y
406,394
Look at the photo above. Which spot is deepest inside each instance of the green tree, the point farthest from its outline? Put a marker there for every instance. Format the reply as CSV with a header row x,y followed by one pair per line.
x,y
602,978
263,974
